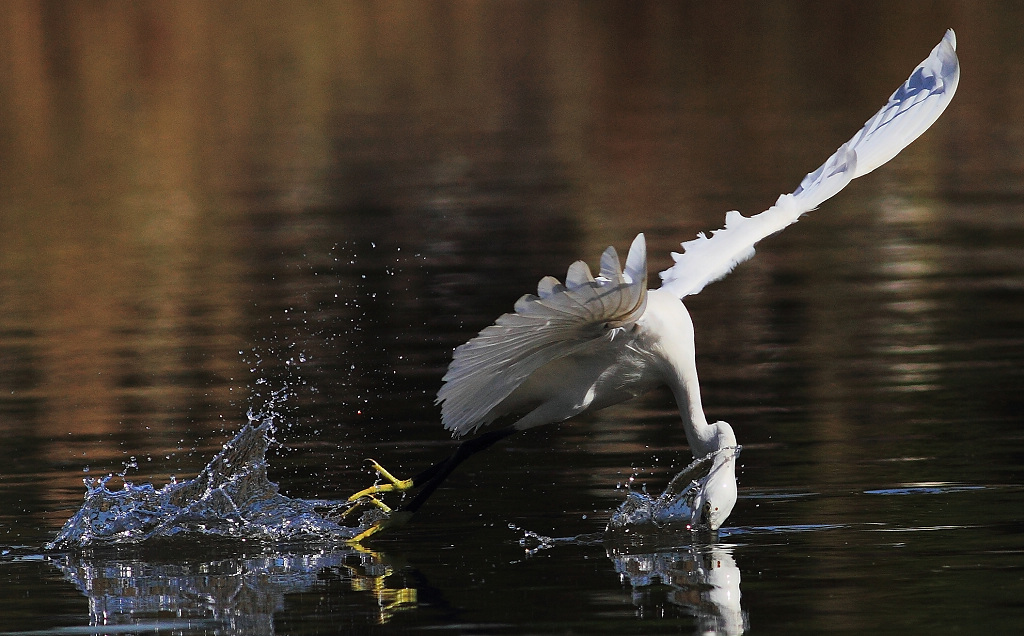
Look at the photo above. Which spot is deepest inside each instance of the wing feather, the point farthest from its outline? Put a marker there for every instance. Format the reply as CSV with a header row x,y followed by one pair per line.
x,y
555,323
909,112
547,286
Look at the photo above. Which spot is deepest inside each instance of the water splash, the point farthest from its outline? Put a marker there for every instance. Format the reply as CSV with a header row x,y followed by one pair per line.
x,y
678,505
231,498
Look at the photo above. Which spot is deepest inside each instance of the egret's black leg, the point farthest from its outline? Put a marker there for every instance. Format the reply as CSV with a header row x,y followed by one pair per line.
x,y
426,481
431,478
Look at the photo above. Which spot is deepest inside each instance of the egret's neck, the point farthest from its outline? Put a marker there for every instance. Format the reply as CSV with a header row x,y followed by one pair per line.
x,y
701,436
669,333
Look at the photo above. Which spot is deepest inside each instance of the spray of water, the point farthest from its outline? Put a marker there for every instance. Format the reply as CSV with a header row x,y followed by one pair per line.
x,y
230,498
679,505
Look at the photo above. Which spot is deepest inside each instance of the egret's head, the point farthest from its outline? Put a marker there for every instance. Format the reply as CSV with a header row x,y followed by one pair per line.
x,y
718,495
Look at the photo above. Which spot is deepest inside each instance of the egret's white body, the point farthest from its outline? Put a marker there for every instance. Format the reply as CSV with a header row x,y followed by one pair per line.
x,y
593,342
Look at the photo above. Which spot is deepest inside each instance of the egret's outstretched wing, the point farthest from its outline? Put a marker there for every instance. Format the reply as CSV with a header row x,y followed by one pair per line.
x,y
909,112
556,322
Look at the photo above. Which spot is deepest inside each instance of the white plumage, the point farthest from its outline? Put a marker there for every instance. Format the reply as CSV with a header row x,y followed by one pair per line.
x,y
592,342
559,322
909,112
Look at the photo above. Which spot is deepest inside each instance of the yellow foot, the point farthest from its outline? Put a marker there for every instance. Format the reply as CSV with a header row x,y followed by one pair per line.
x,y
372,530
394,484
365,499
398,518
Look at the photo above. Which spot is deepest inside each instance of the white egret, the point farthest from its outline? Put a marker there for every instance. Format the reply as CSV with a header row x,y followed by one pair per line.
x,y
591,342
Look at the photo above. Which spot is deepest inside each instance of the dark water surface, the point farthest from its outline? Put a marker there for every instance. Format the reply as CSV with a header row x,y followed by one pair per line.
x,y
204,206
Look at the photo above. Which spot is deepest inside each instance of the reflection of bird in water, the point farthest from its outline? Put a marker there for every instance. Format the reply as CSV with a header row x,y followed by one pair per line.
x,y
592,342
701,578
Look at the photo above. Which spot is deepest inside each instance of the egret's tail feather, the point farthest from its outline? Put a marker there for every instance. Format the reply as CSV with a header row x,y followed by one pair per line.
x,y
909,112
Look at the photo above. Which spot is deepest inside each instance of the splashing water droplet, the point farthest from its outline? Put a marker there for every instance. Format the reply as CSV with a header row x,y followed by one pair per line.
x,y
231,498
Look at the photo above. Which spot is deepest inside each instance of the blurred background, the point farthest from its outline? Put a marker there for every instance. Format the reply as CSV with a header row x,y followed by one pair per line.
x,y
202,203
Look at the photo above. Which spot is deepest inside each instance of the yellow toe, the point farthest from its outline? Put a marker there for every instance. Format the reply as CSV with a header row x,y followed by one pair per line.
x,y
369,532
359,502
395,519
393,484
399,484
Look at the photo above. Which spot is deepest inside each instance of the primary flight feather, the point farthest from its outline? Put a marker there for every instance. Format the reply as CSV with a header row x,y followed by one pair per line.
x,y
909,112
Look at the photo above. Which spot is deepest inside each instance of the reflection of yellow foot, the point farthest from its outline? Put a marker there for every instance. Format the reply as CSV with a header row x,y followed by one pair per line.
x,y
394,600
390,599
394,484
